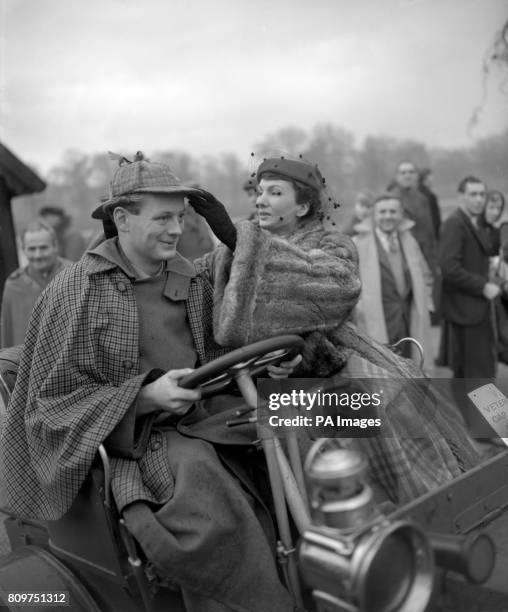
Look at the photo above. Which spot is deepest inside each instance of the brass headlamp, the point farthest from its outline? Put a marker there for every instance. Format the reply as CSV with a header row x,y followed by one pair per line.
x,y
353,557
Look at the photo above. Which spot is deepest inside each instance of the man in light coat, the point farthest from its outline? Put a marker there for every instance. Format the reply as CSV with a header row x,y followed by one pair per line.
x,y
396,282
24,285
416,207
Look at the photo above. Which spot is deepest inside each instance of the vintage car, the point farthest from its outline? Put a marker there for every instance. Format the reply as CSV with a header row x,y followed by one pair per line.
x,y
339,551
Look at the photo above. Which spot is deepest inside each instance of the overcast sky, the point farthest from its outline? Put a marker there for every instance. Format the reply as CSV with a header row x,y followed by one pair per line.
x,y
209,76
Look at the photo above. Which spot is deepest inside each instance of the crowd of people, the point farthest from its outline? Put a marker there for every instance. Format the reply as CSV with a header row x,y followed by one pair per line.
x,y
418,271
111,336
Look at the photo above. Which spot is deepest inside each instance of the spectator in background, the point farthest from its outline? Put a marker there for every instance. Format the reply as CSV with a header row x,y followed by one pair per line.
x,y
250,188
23,286
500,276
425,185
361,210
488,220
498,242
468,294
396,281
71,244
416,207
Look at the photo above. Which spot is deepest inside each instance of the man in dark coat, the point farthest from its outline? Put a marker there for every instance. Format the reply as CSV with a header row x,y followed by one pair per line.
x,y
107,344
416,208
425,187
71,243
467,298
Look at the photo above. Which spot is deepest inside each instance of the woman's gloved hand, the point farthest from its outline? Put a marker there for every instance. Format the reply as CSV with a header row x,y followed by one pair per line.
x,y
215,214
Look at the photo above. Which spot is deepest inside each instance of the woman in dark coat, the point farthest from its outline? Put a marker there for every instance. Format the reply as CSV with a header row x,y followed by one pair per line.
x,y
425,187
292,272
494,208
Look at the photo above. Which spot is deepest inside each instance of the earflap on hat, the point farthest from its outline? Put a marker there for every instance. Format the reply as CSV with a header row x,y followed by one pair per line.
x,y
109,228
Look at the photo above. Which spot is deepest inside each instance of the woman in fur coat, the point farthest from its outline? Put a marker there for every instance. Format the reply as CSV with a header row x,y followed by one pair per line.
x,y
286,273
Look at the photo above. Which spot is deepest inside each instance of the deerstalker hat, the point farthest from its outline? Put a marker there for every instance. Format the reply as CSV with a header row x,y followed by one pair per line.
x,y
138,177
292,169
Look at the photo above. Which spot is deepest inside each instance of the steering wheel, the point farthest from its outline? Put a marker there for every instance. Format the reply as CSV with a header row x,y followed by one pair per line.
x,y
216,375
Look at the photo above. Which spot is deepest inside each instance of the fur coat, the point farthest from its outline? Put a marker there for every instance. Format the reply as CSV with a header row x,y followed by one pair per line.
x,y
308,284
302,284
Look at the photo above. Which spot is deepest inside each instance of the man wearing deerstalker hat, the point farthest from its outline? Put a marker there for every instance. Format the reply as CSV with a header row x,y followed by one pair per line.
x,y
107,344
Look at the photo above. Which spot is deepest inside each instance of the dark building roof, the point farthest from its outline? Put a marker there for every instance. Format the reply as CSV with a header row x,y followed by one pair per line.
x,y
19,178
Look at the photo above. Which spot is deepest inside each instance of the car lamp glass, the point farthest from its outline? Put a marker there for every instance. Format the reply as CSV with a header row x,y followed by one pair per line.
x,y
352,556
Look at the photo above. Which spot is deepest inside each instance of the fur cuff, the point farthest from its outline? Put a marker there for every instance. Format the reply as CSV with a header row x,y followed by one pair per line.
x,y
235,286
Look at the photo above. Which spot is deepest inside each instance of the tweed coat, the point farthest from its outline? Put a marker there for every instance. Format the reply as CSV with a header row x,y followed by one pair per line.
x,y
77,383
369,310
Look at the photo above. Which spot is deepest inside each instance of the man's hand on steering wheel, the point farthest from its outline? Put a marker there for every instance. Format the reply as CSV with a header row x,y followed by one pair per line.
x,y
284,369
250,360
165,394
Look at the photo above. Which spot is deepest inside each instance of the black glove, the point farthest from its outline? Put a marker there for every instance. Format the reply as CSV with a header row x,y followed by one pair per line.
x,y
206,205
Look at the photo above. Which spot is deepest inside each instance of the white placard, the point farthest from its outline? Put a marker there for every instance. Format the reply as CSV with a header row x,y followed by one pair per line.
x,y
493,405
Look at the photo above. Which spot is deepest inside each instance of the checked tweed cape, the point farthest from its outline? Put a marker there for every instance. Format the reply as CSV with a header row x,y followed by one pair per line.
x,y
77,380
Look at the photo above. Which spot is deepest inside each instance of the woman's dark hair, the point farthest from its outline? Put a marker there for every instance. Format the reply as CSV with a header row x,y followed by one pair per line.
x,y
304,193
498,194
492,195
